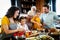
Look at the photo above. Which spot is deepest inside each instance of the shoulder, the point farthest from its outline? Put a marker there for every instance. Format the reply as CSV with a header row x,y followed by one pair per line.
x,y
52,12
5,18
34,17
29,11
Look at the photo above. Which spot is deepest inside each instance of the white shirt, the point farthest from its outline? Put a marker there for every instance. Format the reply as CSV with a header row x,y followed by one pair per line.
x,y
25,27
49,18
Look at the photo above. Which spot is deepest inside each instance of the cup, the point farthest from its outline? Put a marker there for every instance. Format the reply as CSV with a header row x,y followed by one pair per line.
x,y
27,34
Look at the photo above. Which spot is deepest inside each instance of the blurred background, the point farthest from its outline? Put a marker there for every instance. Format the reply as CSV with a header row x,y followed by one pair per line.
x,y
25,6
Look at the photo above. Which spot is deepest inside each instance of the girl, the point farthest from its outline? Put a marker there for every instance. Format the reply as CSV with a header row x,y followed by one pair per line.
x,y
36,21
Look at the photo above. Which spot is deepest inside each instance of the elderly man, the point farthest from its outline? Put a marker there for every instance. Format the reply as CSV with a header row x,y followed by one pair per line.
x,y
48,17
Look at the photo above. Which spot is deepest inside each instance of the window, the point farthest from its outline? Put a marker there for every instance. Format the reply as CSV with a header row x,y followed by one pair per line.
x,y
58,7
4,5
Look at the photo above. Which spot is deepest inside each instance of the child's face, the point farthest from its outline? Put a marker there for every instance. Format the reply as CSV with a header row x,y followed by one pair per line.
x,y
23,21
38,13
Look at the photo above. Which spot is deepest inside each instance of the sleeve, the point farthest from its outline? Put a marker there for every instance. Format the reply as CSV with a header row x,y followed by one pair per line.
x,y
28,12
55,16
33,19
4,21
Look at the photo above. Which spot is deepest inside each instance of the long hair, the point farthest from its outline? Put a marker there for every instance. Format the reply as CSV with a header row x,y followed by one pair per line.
x,y
11,11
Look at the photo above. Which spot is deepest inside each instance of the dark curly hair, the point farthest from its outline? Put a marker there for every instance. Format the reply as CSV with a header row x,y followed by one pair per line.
x,y
11,11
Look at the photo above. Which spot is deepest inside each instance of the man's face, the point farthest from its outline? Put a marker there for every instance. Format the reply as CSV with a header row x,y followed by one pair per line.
x,y
45,10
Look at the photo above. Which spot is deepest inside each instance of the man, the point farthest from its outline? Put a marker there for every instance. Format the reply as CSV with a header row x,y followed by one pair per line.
x,y
48,17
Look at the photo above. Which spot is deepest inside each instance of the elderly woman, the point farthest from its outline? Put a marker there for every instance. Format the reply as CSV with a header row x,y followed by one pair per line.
x,y
32,11
30,14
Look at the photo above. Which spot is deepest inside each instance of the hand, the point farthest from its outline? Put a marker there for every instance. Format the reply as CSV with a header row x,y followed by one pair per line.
x,y
44,24
20,29
39,24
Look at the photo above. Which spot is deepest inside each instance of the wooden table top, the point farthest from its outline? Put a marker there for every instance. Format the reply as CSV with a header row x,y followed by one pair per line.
x,y
0,29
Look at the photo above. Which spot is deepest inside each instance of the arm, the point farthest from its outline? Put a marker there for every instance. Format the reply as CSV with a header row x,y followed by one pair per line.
x,y
5,26
7,31
55,16
33,21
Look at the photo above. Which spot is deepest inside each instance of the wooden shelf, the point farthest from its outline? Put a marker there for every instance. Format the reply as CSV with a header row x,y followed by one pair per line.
x,y
26,5
27,2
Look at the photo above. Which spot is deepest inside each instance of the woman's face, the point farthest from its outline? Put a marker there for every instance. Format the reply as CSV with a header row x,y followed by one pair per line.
x,y
16,14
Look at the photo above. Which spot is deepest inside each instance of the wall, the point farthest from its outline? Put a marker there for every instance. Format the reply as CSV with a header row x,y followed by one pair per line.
x,y
39,4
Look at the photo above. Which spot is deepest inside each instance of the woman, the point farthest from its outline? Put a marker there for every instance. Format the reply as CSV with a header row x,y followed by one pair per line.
x,y
30,14
9,25
36,21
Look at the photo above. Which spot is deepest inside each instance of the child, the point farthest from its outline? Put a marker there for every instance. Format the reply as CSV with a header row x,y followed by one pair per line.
x,y
36,21
22,25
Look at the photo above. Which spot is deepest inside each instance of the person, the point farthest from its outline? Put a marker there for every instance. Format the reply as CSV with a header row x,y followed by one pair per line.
x,y
30,14
23,24
48,17
37,21
29,23
8,24
32,11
